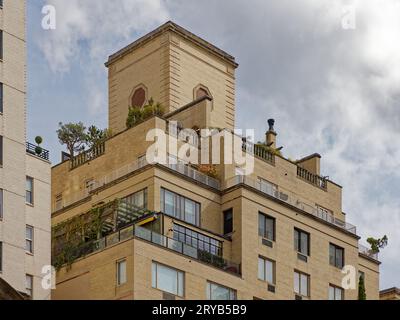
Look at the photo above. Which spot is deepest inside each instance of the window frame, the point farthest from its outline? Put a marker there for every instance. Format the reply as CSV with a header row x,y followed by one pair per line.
x,y
32,191
29,289
335,289
336,248
300,274
224,225
179,275
298,246
29,242
265,278
266,218
121,280
232,292
179,207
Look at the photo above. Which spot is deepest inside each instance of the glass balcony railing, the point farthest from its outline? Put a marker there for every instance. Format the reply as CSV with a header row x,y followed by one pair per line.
x,y
73,253
187,250
289,197
368,252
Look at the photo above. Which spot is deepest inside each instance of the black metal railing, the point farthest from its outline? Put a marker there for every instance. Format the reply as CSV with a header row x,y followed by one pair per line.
x,y
312,178
88,155
37,151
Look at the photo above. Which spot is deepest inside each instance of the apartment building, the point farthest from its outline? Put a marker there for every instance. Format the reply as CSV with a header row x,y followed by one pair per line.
x,y
390,294
25,226
127,228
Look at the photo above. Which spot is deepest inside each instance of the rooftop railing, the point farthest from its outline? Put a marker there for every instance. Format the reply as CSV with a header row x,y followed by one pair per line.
x,y
289,198
258,151
368,252
314,179
88,155
37,151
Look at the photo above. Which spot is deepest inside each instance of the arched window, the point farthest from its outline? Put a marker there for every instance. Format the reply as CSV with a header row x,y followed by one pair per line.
x,y
138,98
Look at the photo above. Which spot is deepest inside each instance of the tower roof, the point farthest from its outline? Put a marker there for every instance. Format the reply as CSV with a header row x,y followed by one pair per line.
x,y
171,26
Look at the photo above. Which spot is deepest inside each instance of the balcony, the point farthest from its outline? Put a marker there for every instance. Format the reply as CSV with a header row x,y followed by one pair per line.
x,y
291,199
37,151
314,179
368,252
88,155
187,250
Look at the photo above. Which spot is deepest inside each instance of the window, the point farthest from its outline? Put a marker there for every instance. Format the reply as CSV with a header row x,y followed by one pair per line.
x,y
336,256
266,226
335,293
138,199
1,203
228,221
218,292
29,285
180,207
197,240
1,256
1,98
29,239
121,272
1,40
138,98
301,284
167,279
1,150
29,190
266,270
302,242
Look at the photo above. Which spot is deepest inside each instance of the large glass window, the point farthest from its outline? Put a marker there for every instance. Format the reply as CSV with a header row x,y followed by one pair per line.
x,y
301,284
266,226
302,242
336,256
335,293
138,199
218,292
167,279
180,207
197,240
266,270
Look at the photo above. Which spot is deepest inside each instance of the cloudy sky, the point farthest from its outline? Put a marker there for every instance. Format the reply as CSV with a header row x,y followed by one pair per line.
x,y
332,88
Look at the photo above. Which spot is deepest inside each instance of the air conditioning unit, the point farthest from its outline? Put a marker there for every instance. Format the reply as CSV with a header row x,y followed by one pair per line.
x,y
271,288
302,257
297,297
168,296
267,243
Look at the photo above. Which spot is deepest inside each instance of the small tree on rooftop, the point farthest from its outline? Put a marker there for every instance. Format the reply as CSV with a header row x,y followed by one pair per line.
x,y
73,136
95,136
377,244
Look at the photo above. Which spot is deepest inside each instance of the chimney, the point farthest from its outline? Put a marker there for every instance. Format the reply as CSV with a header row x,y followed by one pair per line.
x,y
271,134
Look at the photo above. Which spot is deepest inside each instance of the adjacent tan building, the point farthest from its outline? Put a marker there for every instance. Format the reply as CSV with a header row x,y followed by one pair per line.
x,y
390,294
25,225
124,228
